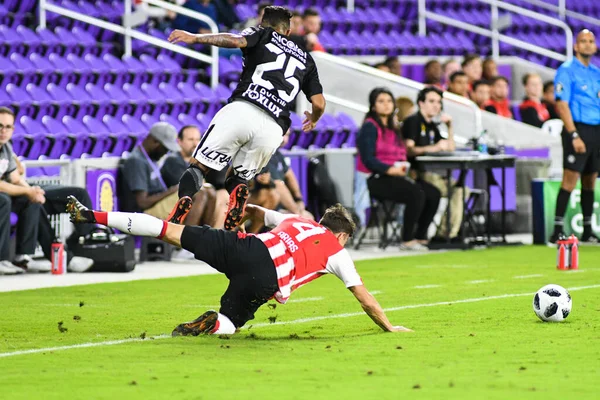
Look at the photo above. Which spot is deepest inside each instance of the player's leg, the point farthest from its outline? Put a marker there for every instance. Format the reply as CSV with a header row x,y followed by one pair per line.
x,y
573,165
137,224
588,184
252,157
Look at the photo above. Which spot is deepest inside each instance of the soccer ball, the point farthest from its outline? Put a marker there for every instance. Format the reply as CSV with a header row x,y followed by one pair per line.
x,y
552,303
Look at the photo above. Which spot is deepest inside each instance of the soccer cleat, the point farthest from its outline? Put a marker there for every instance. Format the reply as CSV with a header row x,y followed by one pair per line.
x,y
590,239
556,236
204,324
79,214
180,211
237,206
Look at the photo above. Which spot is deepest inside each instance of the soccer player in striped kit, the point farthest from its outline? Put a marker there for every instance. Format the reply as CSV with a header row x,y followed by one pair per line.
x,y
259,267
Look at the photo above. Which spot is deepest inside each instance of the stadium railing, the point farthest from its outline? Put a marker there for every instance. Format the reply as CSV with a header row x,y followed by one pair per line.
x,y
130,33
563,12
494,31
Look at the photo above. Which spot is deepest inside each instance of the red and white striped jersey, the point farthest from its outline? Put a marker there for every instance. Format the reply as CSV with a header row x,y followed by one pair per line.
x,y
302,250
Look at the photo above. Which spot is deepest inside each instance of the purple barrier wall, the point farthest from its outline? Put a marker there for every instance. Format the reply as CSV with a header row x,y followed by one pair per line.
x,y
101,185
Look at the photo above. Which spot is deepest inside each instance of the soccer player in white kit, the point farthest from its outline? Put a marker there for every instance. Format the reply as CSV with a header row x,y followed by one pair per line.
x,y
247,131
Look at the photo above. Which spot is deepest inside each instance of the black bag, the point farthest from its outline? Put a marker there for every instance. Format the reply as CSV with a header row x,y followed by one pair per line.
x,y
111,252
321,189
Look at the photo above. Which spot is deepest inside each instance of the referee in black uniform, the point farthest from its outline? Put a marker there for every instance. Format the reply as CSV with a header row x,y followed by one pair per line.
x,y
577,92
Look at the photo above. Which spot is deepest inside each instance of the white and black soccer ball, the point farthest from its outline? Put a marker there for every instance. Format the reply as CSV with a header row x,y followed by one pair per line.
x,y
552,303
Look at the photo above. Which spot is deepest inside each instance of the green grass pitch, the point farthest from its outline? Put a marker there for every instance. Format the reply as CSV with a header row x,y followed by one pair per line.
x,y
320,346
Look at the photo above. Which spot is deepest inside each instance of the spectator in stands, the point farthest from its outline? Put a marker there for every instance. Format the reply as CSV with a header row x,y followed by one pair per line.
x,y
549,100
404,108
481,93
193,25
459,84
532,110
449,67
490,69
422,135
471,66
260,11
213,193
311,22
146,189
382,67
394,65
499,103
296,28
382,156
433,73
27,202
264,194
226,14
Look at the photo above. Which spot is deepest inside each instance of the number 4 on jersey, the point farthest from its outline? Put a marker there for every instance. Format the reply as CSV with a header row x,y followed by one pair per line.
x,y
278,65
307,230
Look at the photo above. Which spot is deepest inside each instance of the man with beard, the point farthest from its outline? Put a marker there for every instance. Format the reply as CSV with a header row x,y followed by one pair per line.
x,y
577,92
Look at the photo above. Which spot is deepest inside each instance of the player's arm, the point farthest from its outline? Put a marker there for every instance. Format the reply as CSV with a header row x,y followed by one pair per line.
x,y
414,150
145,201
318,109
227,40
269,217
370,305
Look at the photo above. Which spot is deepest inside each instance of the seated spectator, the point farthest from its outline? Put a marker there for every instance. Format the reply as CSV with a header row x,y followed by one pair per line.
x,y
459,84
193,25
296,28
259,14
212,195
499,103
471,66
394,65
382,67
481,93
404,108
311,22
27,202
490,69
549,100
226,14
422,135
381,149
449,67
147,190
532,110
433,73
262,193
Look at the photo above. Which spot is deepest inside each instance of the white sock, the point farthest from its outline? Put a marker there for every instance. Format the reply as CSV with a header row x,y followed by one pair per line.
x,y
136,224
224,326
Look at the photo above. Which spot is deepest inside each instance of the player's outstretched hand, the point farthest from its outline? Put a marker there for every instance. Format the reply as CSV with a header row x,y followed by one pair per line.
x,y
307,124
181,36
400,329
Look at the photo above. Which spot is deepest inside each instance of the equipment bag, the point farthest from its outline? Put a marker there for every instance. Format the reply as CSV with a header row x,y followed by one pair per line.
x,y
111,252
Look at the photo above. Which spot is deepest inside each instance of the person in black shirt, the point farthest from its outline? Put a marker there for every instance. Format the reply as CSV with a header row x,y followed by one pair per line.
x,y
532,110
423,136
549,100
247,131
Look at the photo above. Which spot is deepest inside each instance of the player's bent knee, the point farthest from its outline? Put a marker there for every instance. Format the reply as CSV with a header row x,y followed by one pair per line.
x,y
191,181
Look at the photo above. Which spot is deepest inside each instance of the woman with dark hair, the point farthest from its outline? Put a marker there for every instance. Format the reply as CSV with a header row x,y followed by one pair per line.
x,y
382,154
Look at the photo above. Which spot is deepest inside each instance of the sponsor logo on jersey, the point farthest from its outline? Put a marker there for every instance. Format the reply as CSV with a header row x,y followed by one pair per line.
x,y
214,155
265,98
244,173
289,242
288,46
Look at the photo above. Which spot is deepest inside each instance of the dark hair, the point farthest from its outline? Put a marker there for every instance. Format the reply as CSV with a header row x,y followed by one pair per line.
x,y
547,85
180,133
422,95
338,220
6,110
480,82
498,78
448,62
373,115
277,18
380,65
526,77
262,5
430,63
456,75
296,13
469,58
310,12
390,60
488,60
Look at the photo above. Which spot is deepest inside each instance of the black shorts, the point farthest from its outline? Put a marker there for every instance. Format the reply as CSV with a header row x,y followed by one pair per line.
x,y
246,263
584,163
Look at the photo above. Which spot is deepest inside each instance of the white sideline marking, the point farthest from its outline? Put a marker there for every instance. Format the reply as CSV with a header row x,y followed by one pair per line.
x,y
476,282
376,292
527,276
427,286
296,321
301,300
574,271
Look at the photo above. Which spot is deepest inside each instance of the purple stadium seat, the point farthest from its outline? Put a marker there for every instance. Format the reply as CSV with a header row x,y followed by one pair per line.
x,y
117,66
134,125
100,134
168,64
83,143
61,139
173,121
18,95
134,65
49,39
42,64
124,140
23,63
149,120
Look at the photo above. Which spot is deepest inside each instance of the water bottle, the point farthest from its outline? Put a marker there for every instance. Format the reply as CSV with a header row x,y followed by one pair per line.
x,y
483,142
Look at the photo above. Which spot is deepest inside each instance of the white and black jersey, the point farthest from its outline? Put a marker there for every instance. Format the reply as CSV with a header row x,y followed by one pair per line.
x,y
275,70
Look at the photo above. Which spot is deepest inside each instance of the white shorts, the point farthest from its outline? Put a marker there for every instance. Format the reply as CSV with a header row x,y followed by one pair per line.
x,y
242,134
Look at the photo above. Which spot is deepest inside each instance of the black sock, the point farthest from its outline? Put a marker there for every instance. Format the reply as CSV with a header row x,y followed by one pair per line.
x,y
587,208
232,181
562,200
190,182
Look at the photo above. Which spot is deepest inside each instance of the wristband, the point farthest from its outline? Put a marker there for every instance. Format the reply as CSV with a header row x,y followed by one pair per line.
x,y
297,199
574,135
